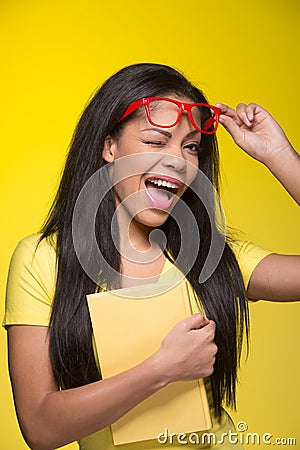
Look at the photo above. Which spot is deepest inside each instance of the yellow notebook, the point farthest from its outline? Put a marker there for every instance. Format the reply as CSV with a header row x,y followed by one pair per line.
x,y
129,325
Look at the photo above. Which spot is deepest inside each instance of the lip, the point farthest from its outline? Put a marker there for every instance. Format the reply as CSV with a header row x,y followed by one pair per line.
x,y
179,183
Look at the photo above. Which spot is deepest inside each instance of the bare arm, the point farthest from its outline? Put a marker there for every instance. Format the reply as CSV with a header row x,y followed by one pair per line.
x,y
276,278
254,130
50,418
286,169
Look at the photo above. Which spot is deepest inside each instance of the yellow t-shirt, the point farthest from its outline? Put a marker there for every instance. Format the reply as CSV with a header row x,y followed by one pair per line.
x,y
29,295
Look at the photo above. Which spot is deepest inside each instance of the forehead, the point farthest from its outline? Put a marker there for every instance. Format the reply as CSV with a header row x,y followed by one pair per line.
x,y
166,111
169,103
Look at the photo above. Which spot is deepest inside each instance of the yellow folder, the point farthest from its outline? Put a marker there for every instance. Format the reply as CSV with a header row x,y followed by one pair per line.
x,y
129,325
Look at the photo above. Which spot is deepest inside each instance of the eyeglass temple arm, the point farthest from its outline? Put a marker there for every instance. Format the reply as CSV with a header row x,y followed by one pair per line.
x,y
131,108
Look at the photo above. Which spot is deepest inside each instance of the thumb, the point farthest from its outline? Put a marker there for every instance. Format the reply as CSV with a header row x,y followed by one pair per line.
x,y
195,321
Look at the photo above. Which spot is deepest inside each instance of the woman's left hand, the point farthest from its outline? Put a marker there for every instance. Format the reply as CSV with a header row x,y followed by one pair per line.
x,y
254,130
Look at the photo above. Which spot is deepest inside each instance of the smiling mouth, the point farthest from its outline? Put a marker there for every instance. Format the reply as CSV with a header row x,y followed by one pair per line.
x,y
161,192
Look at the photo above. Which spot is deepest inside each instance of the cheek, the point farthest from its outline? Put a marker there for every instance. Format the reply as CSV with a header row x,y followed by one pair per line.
x,y
122,189
192,169
126,187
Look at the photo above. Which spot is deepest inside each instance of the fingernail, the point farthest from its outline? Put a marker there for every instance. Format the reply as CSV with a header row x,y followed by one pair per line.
x,y
247,121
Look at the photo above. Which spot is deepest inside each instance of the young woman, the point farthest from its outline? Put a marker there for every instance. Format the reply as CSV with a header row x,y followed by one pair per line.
x,y
144,110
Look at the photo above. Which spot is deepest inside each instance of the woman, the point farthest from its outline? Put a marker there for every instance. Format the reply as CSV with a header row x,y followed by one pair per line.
x,y
58,392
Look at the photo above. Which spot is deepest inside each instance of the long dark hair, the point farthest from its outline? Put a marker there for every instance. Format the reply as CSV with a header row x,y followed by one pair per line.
x,y
222,295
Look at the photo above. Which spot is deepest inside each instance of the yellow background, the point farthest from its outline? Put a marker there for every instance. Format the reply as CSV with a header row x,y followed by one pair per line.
x,y
55,53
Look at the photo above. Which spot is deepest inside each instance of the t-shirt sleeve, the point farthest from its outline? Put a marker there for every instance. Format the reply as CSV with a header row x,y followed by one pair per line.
x,y
31,283
248,256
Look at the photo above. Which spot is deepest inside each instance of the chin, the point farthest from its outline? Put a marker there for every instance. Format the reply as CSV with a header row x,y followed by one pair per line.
x,y
152,218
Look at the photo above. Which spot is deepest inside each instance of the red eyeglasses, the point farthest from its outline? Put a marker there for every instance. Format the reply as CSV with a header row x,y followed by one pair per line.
x,y
167,112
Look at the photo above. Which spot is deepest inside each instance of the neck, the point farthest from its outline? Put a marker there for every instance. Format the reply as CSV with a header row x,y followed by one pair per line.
x,y
136,244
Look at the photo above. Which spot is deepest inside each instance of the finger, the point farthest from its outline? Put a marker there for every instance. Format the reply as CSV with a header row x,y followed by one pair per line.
x,y
252,110
241,110
194,322
210,328
208,331
231,126
229,112
215,349
248,112
225,109
212,325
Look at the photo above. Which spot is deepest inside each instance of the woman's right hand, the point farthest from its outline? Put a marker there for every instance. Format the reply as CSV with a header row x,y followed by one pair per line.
x,y
188,351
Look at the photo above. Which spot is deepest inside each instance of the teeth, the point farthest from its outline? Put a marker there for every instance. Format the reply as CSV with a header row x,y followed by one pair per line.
x,y
164,183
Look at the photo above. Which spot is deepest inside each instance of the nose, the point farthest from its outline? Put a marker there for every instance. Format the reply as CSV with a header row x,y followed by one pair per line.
x,y
173,159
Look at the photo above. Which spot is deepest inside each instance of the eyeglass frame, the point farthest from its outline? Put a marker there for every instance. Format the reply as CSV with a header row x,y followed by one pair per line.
x,y
145,101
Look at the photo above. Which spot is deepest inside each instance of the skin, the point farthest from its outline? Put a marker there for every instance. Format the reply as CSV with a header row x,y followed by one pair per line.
x,y
256,132
172,152
50,418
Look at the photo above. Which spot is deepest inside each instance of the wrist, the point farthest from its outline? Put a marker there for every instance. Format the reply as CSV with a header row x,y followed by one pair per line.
x,y
280,157
160,376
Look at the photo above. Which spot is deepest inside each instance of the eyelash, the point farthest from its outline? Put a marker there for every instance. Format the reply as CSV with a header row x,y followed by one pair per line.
x,y
196,147
156,143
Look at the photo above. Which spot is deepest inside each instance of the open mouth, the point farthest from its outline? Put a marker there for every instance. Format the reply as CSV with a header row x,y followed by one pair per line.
x,y
161,192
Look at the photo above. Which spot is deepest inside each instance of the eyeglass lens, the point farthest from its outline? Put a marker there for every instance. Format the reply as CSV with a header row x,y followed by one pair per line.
x,y
165,113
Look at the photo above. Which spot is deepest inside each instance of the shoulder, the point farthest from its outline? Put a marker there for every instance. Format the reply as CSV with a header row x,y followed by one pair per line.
x,y
34,256
31,281
248,255
35,245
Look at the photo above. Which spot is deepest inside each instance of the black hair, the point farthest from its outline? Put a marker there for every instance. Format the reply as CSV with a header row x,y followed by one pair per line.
x,y
222,295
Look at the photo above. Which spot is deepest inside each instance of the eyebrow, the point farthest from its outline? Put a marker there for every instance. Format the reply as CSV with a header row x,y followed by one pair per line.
x,y
168,134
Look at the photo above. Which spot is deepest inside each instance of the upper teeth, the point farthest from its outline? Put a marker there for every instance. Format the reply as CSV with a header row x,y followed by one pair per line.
x,y
164,183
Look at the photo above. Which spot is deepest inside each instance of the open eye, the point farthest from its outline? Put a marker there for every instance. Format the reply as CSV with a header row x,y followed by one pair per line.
x,y
193,147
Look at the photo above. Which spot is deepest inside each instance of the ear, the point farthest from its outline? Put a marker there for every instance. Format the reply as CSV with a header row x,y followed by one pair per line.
x,y
109,149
